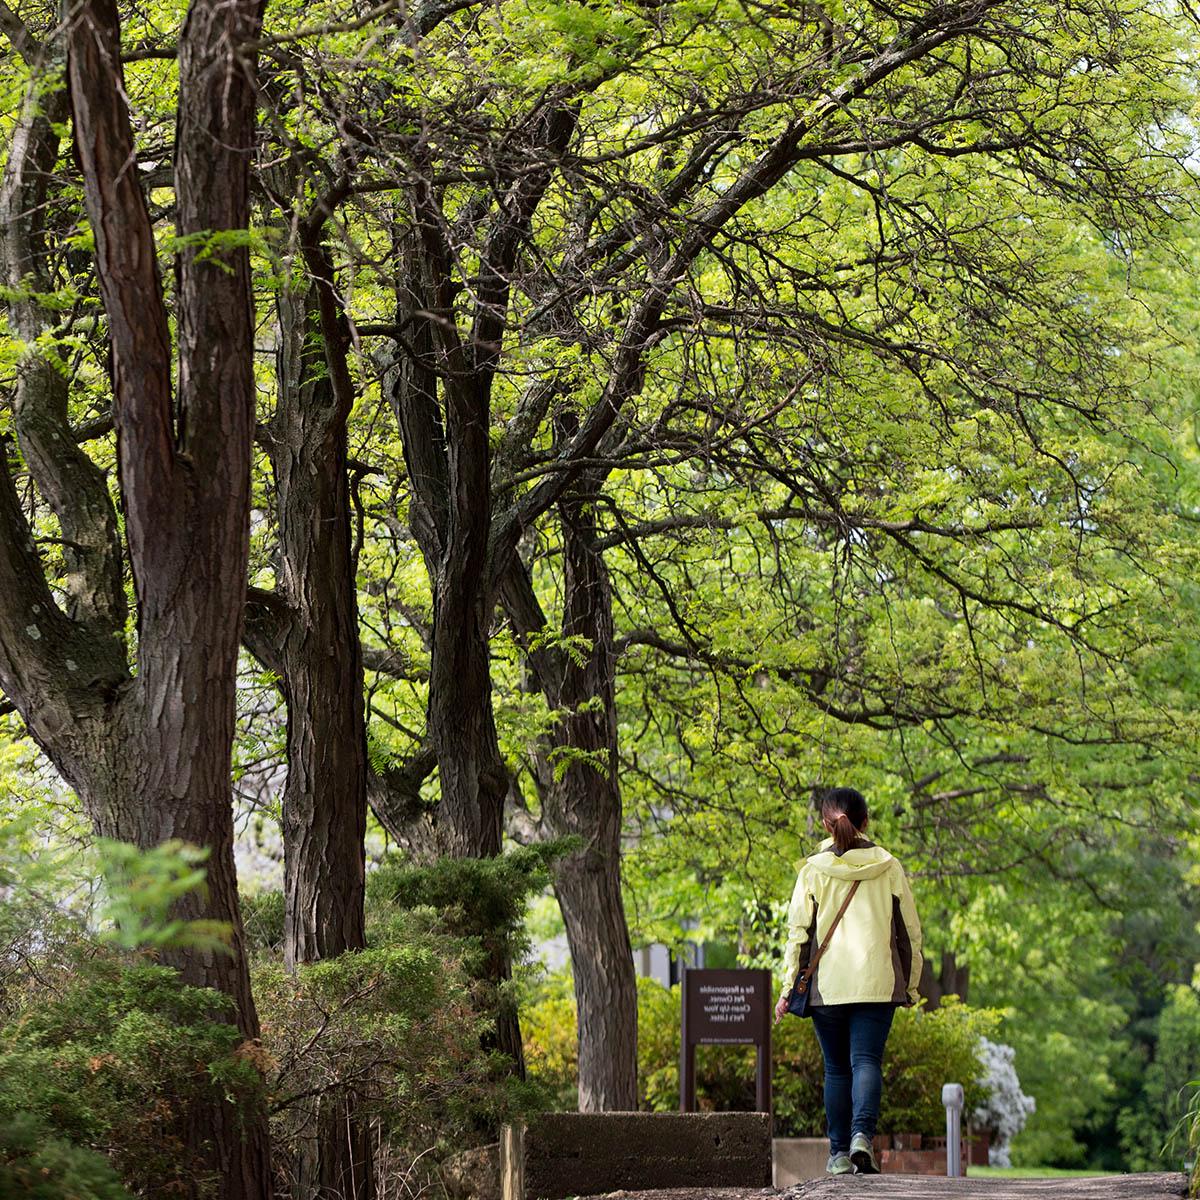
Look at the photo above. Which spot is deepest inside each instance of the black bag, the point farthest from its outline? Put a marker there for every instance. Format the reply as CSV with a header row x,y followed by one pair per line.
x,y
800,999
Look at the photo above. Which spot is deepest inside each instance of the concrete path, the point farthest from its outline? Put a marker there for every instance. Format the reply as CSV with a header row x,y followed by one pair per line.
x,y
932,1187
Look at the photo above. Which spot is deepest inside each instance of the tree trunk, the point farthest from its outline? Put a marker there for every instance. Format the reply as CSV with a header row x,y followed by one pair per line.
x,y
184,463
953,979
320,662
449,463
462,729
586,801
176,784
325,797
588,887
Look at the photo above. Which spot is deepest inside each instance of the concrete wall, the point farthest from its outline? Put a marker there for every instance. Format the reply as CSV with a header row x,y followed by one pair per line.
x,y
798,1159
557,1155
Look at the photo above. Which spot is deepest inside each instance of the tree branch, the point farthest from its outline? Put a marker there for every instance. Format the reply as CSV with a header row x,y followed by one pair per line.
x,y
641,332
71,483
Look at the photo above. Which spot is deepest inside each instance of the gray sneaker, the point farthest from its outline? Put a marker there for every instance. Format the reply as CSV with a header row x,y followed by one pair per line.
x,y
862,1155
839,1164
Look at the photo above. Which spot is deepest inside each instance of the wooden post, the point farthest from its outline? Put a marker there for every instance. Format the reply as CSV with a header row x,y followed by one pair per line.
x,y
512,1161
762,1082
687,1053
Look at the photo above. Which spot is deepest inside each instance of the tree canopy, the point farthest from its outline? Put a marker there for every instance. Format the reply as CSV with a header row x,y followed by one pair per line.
x,y
584,432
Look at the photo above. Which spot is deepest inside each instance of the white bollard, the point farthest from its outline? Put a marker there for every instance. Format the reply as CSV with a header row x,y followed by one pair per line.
x,y
952,1098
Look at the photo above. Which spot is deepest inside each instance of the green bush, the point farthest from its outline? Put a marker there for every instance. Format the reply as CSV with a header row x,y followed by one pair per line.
x,y
262,919
395,1031
106,1055
390,1028
925,1050
482,900
1145,1127
35,1164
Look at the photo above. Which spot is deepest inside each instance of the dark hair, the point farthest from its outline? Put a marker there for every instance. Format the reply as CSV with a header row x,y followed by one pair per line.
x,y
846,812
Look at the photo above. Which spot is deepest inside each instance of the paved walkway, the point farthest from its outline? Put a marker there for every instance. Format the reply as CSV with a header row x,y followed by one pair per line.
x,y
933,1187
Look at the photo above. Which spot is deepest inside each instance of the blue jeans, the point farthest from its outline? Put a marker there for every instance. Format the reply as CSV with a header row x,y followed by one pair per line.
x,y
852,1038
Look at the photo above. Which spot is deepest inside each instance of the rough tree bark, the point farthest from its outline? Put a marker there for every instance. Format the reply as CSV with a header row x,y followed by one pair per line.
x,y
583,800
149,752
307,633
325,799
449,463
586,801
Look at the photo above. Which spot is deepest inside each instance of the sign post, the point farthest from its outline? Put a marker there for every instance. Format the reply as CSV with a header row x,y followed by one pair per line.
x,y
725,1008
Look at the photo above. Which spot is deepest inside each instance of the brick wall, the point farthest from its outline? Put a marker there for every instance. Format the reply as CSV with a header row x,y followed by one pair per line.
x,y
912,1154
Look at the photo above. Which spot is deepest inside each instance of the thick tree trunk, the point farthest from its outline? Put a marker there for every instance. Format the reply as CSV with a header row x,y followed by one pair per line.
x,y
588,887
170,776
586,801
449,463
462,729
448,454
325,796
184,460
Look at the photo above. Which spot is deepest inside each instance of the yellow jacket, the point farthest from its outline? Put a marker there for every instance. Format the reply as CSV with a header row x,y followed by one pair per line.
x,y
875,954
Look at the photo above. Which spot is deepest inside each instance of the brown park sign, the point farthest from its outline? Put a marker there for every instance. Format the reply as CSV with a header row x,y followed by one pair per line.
x,y
725,1008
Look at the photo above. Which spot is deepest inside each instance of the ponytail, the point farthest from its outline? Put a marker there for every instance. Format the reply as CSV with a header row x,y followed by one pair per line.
x,y
845,811
844,833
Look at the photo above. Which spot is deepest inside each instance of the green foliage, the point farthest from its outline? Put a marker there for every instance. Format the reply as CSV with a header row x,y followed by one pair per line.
x,y
395,1027
925,1050
144,886
102,1051
35,1164
480,899
1167,1088
262,919
103,1054
910,491
1186,1136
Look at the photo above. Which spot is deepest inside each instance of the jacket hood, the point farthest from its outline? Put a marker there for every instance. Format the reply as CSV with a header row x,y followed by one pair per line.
x,y
861,862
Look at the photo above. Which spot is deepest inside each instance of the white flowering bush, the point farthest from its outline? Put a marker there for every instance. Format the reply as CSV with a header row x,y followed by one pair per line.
x,y
1007,1108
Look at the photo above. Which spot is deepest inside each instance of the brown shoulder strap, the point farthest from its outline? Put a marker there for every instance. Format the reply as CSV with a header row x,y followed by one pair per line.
x,y
807,974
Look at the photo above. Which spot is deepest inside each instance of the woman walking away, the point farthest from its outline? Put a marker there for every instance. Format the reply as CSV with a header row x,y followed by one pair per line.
x,y
853,954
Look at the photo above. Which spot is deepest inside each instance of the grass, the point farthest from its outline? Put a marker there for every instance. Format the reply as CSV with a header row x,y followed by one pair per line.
x,y
1031,1173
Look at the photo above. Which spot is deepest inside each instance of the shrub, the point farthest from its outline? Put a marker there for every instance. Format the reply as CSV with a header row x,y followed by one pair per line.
x,y
391,1027
262,918
1004,1113
394,1032
925,1050
107,1055
482,900
37,1165
1145,1126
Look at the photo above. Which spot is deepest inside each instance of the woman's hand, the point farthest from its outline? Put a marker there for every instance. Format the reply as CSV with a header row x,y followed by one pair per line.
x,y
781,1007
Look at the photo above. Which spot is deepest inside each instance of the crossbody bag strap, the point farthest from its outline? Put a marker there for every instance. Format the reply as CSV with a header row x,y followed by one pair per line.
x,y
807,974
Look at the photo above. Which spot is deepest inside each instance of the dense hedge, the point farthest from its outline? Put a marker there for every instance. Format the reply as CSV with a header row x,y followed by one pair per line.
x,y
925,1050
102,1055
101,1049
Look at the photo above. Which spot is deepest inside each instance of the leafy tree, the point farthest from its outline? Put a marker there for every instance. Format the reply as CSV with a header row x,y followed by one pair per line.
x,y
141,726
